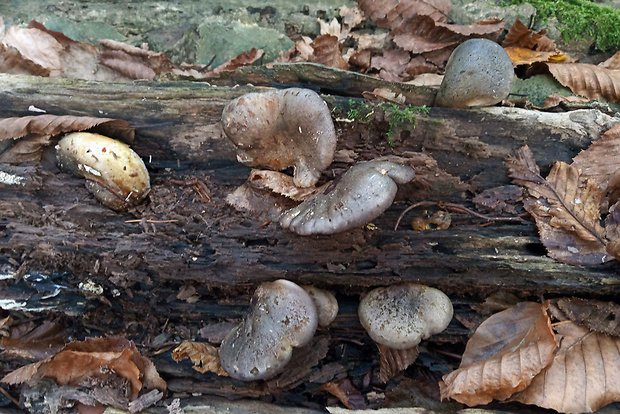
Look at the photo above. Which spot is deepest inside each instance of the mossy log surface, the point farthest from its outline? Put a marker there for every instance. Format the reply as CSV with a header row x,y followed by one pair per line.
x,y
142,258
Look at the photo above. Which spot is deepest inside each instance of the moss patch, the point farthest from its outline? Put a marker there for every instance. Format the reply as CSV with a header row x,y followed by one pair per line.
x,y
580,20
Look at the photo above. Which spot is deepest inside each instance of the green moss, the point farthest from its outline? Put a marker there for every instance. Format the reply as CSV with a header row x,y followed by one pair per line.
x,y
397,116
581,19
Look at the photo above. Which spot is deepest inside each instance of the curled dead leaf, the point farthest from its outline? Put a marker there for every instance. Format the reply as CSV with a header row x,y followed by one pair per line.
x,y
503,356
204,357
520,36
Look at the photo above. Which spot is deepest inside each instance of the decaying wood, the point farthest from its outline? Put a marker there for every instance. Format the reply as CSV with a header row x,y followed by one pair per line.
x,y
50,223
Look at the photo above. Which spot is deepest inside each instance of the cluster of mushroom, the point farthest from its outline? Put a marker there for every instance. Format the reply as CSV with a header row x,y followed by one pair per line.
x,y
293,128
283,316
114,173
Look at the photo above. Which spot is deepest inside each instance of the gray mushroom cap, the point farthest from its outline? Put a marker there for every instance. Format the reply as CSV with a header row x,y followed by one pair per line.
x,y
478,73
325,302
402,315
362,193
281,316
283,128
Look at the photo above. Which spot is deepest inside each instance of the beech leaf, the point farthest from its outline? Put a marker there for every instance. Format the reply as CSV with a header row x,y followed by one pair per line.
x,y
392,361
519,35
33,133
395,13
504,354
584,375
566,209
583,79
598,316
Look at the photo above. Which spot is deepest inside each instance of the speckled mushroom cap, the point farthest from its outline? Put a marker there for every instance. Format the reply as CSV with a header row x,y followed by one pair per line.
x,y
283,128
355,198
325,302
402,315
478,73
114,173
281,316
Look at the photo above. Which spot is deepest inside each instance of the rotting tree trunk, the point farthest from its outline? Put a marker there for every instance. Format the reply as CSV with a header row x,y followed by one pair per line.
x,y
50,222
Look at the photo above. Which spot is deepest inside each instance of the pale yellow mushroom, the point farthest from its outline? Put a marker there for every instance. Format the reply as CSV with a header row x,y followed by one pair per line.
x,y
114,173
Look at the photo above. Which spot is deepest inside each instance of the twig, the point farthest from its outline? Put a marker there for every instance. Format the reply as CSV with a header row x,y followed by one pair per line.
x,y
9,396
199,187
150,221
456,208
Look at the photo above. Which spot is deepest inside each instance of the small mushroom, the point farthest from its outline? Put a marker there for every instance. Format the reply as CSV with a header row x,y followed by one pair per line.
x,y
359,195
114,173
283,128
325,302
281,316
478,73
398,317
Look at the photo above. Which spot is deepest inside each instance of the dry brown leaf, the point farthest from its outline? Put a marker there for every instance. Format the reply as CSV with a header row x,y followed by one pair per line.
x,y
520,36
346,392
598,316
392,361
566,208
556,99
48,53
496,302
328,52
384,95
498,200
396,13
611,63
36,133
94,358
504,354
584,375
332,28
612,230
29,340
423,34
599,162
391,64
279,183
204,357
583,79
351,17
244,59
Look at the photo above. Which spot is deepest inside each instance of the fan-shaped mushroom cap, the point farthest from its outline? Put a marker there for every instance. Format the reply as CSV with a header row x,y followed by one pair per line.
x,y
478,73
114,173
281,316
401,315
325,302
283,128
352,200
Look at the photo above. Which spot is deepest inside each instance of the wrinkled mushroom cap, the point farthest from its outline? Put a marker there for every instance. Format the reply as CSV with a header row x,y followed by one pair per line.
x,y
325,302
283,128
478,73
114,173
402,315
362,193
281,316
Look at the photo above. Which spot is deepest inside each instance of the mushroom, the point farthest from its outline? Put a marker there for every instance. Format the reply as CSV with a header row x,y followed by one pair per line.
x,y
398,317
352,200
325,302
282,128
478,73
281,316
114,173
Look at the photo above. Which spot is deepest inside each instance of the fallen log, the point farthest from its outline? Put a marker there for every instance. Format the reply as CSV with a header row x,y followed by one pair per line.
x,y
185,237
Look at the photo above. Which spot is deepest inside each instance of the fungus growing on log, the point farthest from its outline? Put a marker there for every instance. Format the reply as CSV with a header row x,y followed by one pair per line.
x,y
478,73
281,316
352,200
325,302
114,173
398,317
283,128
